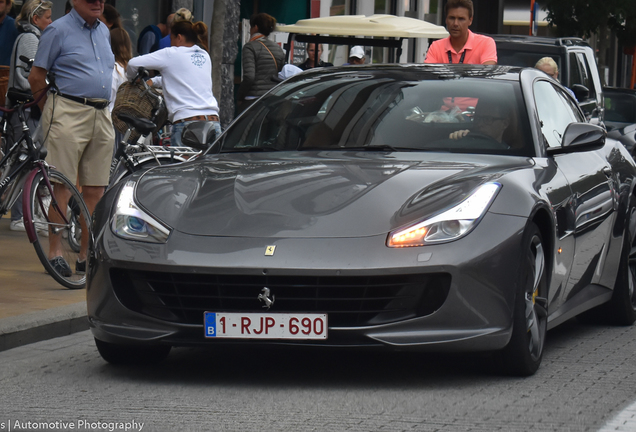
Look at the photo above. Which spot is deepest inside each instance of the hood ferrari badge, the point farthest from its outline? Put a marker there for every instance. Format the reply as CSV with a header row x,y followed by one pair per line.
x,y
264,297
269,251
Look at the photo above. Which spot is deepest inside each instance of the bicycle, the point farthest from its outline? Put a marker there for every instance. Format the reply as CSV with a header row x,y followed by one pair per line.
x,y
22,167
135,154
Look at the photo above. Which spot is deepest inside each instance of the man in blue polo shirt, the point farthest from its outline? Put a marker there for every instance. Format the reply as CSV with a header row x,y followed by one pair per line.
x,y
8,34
76,120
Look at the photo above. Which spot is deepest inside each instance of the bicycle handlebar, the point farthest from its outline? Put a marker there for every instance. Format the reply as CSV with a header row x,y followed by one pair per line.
x,y
142,76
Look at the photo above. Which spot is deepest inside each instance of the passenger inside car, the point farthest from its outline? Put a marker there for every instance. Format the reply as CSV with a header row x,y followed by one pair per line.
x,y
490,119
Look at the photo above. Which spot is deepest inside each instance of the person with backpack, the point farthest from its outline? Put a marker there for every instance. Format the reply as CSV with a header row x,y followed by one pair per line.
x,y
262,59
150,37
34,17
8,34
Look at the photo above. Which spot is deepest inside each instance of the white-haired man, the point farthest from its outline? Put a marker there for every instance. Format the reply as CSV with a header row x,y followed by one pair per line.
x,y
76,49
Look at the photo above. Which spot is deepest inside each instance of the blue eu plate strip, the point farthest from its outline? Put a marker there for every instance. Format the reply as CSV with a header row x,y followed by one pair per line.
x,y
210,324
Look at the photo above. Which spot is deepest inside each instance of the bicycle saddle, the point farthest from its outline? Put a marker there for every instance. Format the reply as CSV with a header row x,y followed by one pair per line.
x,y
142,125
18,96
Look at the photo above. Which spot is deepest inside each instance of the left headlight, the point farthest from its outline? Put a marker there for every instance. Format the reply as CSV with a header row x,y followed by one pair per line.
x,y
132,223
449,225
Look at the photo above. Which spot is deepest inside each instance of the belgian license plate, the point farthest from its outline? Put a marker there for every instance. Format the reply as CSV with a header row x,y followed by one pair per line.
x,y
265,325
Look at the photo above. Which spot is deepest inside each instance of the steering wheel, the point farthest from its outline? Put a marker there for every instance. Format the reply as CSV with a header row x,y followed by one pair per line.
x,y
482,136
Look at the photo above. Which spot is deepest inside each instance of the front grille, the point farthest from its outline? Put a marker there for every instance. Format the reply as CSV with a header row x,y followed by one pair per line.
x,y
348,300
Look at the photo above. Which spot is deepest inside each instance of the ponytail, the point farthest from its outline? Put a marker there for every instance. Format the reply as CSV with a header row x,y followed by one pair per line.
x,y
264,23
201,30
195,33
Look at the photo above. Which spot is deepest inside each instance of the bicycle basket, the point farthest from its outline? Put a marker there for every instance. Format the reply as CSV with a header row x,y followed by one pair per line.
x,y
138,101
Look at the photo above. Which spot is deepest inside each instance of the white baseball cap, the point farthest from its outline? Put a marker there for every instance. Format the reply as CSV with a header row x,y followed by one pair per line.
x,y
357,51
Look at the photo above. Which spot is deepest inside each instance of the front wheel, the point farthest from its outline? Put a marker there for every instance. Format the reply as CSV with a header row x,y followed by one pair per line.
x,y
67,224
621,309
522,356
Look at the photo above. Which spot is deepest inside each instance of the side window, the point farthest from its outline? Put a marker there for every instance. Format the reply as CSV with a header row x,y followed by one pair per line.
x,y
574,107
620,108
555,112
580,72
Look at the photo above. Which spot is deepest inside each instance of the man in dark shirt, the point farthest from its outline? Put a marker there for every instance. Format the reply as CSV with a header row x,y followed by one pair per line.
x,y
8,34
311,56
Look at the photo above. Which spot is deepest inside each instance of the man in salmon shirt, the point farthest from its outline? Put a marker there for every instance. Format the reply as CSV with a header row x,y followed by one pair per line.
x,y
462,46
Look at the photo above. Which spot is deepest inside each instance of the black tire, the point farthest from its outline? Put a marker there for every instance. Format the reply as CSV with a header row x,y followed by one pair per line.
x,y
522,356
75,231
132,354
70,252
621,309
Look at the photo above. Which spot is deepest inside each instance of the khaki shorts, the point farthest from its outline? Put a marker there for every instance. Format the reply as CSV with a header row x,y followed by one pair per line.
x,y
79,140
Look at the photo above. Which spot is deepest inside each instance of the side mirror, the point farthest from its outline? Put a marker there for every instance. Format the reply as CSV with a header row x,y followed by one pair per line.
x,y
581,92
199,135
579,137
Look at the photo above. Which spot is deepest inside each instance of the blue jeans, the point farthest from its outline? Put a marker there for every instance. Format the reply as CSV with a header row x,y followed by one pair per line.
x,y
177,131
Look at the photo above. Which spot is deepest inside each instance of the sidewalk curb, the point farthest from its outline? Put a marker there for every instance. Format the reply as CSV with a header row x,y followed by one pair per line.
x,y
38,326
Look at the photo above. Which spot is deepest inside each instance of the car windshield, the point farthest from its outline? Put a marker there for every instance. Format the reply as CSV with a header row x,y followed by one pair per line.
x,y
386,112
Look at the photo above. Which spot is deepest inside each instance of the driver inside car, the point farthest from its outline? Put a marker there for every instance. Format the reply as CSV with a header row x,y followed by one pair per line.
x,y
490,119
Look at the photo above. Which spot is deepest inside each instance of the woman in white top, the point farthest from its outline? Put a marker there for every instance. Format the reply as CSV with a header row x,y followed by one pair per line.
x,y
186,77
122,49
121,46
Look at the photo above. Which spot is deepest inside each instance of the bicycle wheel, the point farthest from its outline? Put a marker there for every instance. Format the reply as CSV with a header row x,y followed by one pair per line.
x,y
52,223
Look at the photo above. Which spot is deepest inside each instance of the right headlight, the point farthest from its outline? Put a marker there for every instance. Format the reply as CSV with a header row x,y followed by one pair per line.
x,y
132,223
449,225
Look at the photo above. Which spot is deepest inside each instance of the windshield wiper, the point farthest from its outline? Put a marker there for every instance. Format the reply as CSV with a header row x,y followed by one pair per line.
x,y
383,147
250,150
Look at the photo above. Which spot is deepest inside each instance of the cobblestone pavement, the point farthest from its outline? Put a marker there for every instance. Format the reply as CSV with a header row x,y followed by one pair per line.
x,y
24,284
587,378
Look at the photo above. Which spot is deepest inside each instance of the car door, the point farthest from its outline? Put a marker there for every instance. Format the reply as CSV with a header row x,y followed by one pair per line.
x,y
592,203
581,74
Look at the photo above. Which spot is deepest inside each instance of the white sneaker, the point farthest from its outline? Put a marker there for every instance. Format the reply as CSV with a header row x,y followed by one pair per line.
x,y
43,231
39,220
17,225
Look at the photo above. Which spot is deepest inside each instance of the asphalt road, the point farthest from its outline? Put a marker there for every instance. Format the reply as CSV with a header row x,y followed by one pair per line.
x,y
587,377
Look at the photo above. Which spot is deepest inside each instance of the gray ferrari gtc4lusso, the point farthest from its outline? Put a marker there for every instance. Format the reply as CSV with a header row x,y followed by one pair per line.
x,y
424,207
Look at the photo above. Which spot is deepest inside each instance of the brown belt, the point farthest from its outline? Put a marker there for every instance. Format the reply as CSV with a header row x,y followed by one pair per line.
x,y
199,117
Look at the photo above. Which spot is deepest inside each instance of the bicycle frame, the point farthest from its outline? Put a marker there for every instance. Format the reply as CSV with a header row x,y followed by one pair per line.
x,y
41,166
12,180
21,178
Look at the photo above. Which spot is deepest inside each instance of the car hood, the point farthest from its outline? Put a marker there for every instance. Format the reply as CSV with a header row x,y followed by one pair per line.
x,y
317,194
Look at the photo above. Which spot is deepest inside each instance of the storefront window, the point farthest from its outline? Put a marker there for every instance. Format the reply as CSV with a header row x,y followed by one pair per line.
x,y
137,14
386,6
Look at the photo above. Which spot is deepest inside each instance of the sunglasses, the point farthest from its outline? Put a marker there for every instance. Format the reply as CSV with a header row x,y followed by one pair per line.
x,y
95,1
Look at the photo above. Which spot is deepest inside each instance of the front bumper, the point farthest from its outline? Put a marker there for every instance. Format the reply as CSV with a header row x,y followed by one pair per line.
x,y
474,315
